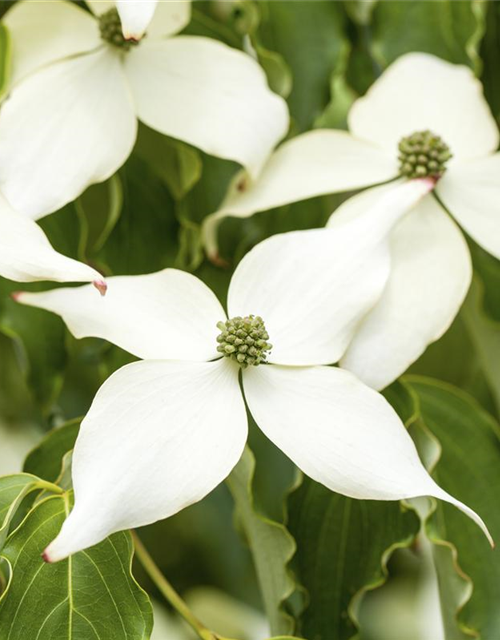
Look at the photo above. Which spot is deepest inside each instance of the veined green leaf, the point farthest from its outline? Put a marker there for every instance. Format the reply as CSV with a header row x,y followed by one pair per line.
x,y
343,546
270,543
469,468
13,490
90,596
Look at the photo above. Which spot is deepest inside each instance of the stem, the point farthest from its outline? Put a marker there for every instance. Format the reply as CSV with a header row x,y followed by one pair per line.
x,y
168,591
49,486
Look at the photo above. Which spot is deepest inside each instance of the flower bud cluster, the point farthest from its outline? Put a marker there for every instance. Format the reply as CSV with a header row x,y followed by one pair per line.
x,y
423,154
244,340
110,28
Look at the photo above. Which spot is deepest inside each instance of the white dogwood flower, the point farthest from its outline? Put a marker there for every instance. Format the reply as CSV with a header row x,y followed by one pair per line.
x,y
163,432
26,254
79,86
422,117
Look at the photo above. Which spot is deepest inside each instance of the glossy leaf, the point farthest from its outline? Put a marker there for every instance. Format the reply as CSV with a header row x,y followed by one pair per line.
x,y
90,596
45,460
343,546
13,490
469,466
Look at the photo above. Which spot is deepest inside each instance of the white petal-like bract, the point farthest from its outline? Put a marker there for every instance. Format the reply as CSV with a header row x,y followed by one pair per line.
x,y
208,94
312,288
420,91
63,128
45,32
471,192
169,314
159,436
430,276
135,16
340,433
26,254
169,18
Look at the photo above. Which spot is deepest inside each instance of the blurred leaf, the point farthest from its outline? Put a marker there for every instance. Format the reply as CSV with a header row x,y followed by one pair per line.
x,y
45,459
489,53
310,37
343,546
468,468
270,543
176,163
448,29
91,595
39,339
342,96
5,59
485,334
99,208
360,10
145,237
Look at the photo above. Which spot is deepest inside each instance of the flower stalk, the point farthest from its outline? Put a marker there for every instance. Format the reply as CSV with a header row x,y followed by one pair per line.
x,y
169,593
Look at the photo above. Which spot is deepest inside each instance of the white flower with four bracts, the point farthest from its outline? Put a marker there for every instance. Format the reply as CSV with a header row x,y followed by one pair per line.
x,y
80,85
163,432
440,107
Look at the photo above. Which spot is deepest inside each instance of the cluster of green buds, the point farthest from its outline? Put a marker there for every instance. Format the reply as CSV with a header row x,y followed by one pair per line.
x,y
245,340
423,154
110,27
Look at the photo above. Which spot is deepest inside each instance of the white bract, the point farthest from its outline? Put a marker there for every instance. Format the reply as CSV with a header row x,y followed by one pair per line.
x,y
431,269
26,254
79,86
163,432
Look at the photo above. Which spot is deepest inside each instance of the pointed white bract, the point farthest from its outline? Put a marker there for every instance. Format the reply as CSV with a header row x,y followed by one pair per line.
x,y
168,314
88,94
430,274
26,254
171,430
163,433
417,92
135,16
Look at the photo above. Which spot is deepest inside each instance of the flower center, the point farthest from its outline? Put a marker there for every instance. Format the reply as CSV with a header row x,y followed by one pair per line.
x,y
423,154
110,27
244,340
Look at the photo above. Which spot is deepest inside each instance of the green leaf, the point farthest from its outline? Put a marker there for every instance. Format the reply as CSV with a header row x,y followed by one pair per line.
x,y
343,546
360,10
90,596
309,37
468,468
13,490
45,460
270,543
5,59
485,335
99,208
448,29
39,340
176,163
144,238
